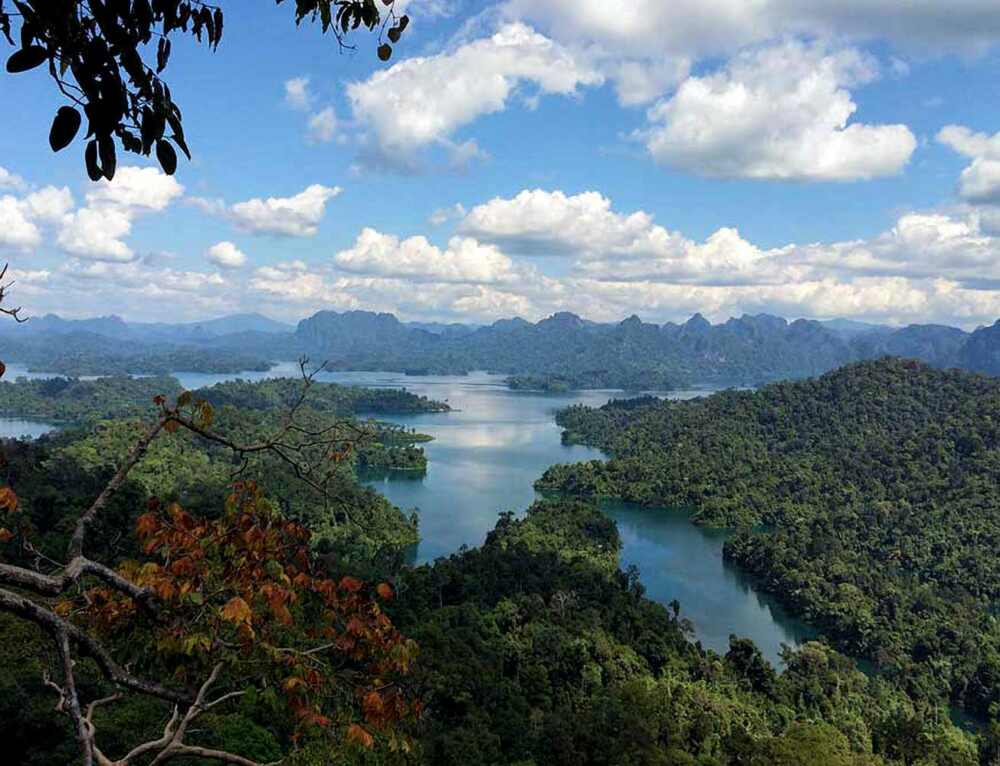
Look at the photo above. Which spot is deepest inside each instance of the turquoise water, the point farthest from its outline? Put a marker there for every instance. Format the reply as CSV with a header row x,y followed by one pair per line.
x,y
486,455
484,459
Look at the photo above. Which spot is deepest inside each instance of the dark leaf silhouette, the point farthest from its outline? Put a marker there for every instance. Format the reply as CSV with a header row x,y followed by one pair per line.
x,y
97,53
27,58
167,157
64,128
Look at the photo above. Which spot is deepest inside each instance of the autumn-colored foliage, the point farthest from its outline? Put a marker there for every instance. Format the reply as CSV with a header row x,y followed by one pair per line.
x,y
242,590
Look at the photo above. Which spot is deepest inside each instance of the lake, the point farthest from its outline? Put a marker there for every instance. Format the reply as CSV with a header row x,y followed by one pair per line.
x,y
484,459
16,428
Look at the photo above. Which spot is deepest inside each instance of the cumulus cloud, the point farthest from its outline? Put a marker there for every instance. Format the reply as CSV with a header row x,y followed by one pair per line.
x,y
296,216
297,94
538,222
136,189
778,113
980,180
422,101
226,255
464,260
17,230
927,267
97,230
20,217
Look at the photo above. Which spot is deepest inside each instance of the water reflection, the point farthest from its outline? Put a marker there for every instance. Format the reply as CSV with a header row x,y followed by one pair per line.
x,y
485,458
680,561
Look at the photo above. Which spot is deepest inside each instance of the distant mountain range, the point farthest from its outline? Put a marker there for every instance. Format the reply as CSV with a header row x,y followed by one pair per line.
x,y
562,349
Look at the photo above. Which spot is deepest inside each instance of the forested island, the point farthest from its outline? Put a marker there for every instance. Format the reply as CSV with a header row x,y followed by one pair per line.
x,y
65,399
867,501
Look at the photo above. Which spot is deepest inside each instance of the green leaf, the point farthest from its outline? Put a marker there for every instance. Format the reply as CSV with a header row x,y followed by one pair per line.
x,y
167,157
64,128
27,58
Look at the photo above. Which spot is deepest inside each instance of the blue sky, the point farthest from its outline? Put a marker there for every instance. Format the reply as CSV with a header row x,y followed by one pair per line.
x,y
810,158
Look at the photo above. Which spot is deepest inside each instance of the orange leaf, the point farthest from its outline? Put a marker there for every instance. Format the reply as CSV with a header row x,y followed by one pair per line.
x,y
384,591
8,500
356,733
236,610
351,584
6,535
372,704
146,524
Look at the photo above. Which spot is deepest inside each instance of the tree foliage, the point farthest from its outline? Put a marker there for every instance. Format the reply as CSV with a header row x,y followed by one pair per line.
x,y
107,58
867,499
217,607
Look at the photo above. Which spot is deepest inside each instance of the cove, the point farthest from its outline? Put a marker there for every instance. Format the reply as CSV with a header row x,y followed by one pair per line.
x,y
486,454
484,459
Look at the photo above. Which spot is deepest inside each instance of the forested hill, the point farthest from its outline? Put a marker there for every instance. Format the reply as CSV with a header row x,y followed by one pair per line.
x,y
559,352
877,487
567,351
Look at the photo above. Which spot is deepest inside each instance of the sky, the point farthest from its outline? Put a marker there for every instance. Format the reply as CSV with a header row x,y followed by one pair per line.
x,y
806,158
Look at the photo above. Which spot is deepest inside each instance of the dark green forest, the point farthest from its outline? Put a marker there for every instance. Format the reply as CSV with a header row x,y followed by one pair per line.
x,y
867,501
536,648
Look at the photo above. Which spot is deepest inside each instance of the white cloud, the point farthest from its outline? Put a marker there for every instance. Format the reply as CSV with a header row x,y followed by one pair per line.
x,y
322,126
226,255
701,28
926,262
97,231
538,222
11,181
980,181
20,216
297,94
464,260
422,101
444,214
17,231
778,113
49,204
296,216
136,189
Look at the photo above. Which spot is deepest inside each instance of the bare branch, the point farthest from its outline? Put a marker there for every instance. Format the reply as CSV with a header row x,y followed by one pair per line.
x,y
112,487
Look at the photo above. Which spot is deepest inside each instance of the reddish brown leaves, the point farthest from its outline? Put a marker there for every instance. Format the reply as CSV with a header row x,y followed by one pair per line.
x,y
243,589
236,610
359,736
351,584
8,500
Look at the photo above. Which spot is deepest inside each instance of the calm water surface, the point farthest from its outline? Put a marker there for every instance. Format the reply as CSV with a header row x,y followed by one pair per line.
x,y
16,428
486,455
